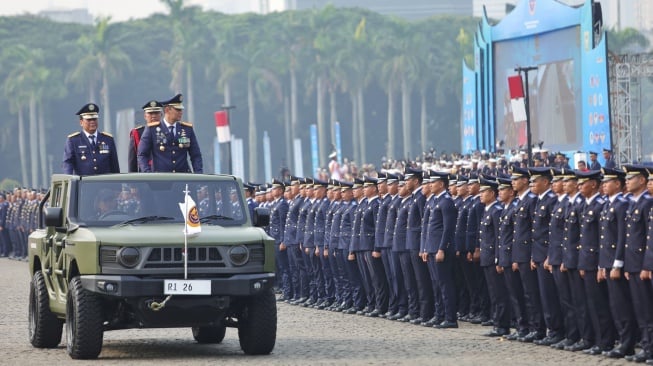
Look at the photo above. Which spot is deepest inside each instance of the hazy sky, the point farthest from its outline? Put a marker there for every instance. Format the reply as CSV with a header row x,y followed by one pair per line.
x,y
119,10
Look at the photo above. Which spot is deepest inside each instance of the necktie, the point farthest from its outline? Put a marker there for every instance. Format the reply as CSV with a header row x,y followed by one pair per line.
x,y
172,132
92,137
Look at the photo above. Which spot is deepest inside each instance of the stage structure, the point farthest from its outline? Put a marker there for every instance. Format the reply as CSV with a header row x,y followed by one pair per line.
x,y
626,74
565,50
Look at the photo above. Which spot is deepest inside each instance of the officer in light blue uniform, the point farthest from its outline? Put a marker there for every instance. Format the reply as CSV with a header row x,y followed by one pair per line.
x,y
170,143
88,152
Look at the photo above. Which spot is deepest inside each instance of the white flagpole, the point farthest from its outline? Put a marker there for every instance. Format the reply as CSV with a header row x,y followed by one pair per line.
x,y
186,233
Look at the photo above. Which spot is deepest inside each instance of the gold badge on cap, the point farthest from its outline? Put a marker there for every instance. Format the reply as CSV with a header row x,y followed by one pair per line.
x,y
152,104
181,98
91,107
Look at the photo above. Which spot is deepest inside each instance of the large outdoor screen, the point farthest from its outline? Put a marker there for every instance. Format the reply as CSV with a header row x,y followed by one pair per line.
x,y
554,89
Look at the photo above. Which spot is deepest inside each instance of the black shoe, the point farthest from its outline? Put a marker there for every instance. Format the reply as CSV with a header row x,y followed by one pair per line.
x,y
396,316
476,320
497,332
563,343
649,361
596,350
431,322
618,352
579,346
487,323
300,301
374,314
549,340
530,337
638,357
417,321
406,318
351,310
446,324
307,303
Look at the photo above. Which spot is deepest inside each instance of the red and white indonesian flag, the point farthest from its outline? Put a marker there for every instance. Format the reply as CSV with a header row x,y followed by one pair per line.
x,y
516,88
222,126
191,216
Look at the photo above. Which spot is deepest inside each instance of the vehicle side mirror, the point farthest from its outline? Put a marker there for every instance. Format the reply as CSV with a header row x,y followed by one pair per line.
x,y
53,216
261,216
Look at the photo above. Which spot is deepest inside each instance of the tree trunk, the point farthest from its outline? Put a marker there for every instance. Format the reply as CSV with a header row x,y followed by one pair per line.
x,y
105,102
354,128
422,120
333,114
33,146
189,90
22,146
361,125
91,92
390,148
288,160
321,128
405,117
293,103
42,148
253,139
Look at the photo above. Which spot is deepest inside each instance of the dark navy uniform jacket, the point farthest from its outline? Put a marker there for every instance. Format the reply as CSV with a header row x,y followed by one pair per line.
x,y
278,213
522,234
355,244
320,222
346,224
613,232
442,226
541,221
557,231
648,254
251,205
636,231
428,207
413,234
290,231
572,231
309,229
475,214
488,234
381,218
461,224
368,224
336,220
505,236
400,231
588,258
303,216
390,221
81,159
332,207
167,155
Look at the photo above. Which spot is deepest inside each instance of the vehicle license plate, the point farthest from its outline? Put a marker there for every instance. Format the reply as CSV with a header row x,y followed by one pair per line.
x,y
186,287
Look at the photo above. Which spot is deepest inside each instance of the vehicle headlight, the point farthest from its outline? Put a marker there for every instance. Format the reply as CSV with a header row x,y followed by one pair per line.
x,y
239,255
129,257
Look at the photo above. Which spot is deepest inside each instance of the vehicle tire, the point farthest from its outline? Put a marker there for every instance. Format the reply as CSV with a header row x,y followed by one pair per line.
x,y
207,335
84,331
45,328
257,324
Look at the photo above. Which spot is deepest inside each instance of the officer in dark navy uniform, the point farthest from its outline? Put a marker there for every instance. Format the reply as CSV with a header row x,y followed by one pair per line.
x,y
488,245
151,113
291,243
441,249
541,186
398,301
88,152
637,222
170,143
463,267
278,214
611,259
609,159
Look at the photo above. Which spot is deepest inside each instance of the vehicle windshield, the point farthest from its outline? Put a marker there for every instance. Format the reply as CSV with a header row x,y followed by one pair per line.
x,y
158,202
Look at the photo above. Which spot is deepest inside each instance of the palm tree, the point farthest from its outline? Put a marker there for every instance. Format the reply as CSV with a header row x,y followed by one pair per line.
x,y
101,50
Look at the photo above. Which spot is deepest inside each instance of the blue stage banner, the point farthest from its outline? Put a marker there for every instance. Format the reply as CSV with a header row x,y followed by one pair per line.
x,y
315,164
596,118
468,115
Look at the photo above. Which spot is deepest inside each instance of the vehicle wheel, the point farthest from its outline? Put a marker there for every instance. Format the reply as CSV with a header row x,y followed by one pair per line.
x,y
257,324
209,334
84,330
44,327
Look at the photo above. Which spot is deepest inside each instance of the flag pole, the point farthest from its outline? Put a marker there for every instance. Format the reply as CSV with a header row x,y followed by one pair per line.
x,y
186,233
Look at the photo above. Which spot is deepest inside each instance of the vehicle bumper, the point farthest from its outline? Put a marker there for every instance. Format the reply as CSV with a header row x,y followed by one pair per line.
x,y
133,286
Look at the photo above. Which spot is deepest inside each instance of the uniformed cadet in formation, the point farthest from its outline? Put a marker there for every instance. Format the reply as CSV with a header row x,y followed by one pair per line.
x,y
151,113
90,152
170,143
18,219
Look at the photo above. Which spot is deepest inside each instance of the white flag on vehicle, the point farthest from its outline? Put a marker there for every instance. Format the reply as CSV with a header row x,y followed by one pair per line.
x,y
191,216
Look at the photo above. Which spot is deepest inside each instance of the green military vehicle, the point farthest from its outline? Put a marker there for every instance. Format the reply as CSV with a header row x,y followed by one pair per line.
x,y
122,251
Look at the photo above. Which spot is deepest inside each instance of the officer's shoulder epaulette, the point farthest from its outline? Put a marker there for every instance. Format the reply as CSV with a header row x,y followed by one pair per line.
x,y
600,200
551,194
531,195
74,134
152,124
578,199
139,127
622,199
107,134
187,124
647,197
